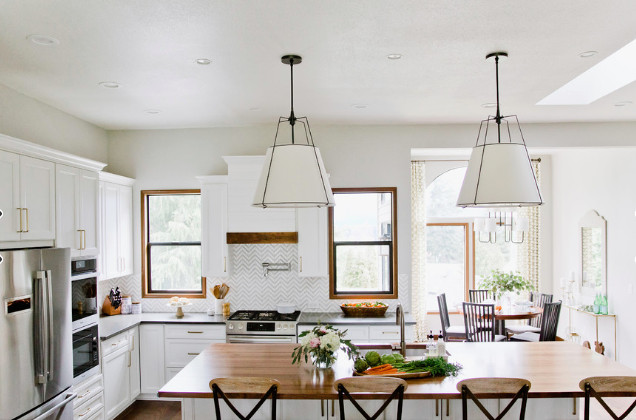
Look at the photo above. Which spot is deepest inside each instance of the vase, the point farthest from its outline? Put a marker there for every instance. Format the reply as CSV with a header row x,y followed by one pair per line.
x,y
323,360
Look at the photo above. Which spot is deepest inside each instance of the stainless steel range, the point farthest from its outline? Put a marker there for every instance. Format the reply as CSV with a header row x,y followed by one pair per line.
x,y
261,327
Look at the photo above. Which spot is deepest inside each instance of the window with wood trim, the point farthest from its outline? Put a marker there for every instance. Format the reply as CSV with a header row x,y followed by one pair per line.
x,y
363,244
171,243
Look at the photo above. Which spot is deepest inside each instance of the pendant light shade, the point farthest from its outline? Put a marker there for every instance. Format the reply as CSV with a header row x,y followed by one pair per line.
x,y
499,173
293,174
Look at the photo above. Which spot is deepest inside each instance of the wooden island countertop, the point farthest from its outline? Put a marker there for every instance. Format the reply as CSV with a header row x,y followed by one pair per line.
x,y
553,368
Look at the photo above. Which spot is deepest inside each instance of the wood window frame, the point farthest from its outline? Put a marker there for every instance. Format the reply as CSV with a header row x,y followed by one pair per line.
x,y
393,294
145,250
467,261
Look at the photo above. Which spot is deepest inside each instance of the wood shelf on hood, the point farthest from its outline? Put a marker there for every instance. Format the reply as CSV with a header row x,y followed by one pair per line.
x,y
262,238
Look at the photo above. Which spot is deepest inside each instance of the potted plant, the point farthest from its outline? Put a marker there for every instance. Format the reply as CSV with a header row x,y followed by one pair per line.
x,y
322,343
503,284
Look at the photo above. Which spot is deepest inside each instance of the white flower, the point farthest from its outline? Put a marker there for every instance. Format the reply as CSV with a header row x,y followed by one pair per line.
x,y
330,341
304,341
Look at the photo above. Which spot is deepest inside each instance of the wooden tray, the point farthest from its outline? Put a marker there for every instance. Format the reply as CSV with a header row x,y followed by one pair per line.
x,y
404,375
362,312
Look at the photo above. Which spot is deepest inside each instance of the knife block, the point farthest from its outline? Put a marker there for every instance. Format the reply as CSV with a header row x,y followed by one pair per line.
x,y
107,308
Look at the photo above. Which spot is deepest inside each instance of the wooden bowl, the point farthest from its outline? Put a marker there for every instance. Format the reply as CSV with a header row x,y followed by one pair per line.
x,y
362,312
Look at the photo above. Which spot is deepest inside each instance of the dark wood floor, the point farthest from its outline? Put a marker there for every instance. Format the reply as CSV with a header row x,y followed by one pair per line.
x,y
152,410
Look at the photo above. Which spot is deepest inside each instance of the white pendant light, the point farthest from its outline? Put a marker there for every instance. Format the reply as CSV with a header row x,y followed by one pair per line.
x,y
293,174
499,174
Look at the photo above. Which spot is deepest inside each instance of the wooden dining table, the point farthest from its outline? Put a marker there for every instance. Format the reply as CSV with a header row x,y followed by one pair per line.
x,y
513,314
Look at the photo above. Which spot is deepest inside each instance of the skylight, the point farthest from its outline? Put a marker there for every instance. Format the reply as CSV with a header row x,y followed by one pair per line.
x,y
616,71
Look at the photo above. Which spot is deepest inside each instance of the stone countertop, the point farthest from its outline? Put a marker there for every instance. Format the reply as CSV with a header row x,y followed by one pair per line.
x,y
338,318
113,325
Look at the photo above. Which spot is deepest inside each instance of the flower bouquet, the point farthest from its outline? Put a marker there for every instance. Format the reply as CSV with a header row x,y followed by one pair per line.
x,y
322,343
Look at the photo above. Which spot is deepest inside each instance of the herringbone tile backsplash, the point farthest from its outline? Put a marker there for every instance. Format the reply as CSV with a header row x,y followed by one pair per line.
x,y
249,289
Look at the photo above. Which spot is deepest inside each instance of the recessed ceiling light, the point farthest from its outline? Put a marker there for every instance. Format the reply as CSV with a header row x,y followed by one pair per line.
x,y
614,72
254,108
109,85
152,111
359,106
489,105
623,103
394,56
203,61
43,40
586,54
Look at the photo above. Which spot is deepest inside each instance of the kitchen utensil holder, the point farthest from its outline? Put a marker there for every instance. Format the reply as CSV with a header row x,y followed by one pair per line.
x,y
218,306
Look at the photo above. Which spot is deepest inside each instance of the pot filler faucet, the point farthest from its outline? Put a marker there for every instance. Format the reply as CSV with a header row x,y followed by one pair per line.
x,y
399,320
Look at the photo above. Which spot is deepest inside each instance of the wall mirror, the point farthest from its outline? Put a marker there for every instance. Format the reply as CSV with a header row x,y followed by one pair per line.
x,y
593,251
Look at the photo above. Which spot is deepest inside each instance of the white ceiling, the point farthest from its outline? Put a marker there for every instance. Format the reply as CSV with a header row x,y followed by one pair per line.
x,y
149,47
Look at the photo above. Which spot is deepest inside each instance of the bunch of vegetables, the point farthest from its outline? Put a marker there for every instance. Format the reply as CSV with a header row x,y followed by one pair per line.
x,y
374,364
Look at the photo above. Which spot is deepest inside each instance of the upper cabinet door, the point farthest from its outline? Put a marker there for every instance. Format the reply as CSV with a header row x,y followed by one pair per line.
x,y
68,230
9,196
37,198
88,220
124,219
312,242
110,262
214,226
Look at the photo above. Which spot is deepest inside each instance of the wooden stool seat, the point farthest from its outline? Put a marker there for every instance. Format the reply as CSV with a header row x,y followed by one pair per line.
x,y
608,386
241,387
476,388
393,387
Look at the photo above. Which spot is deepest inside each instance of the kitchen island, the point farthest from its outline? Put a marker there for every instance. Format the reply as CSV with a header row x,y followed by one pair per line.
x,y
553,368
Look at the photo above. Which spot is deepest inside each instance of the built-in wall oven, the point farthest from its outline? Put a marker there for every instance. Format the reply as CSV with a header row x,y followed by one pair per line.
x,y
85,318
85,352
260,327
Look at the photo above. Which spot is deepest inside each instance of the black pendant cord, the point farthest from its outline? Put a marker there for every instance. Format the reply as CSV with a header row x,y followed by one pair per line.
x,y
292,117
498,116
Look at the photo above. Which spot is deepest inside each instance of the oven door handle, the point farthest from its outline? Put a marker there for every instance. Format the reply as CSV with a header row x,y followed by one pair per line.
x,y
270,339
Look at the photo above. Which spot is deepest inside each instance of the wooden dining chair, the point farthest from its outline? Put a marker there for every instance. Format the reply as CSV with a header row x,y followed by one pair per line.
x,y
608,386
476,388
534,324
450,332
391,387
549,325
479,322
478,295
266,387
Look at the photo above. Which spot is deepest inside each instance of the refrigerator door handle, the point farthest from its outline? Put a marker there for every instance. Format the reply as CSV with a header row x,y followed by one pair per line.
x,y
49,315
41,330
69,397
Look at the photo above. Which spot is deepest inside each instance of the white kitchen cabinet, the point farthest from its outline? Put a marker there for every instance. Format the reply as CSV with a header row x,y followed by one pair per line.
x,y
370,333
116,381
9,196
77,226
313,256
184,342
152,364
115,204
243,174
27,198
214,207
133,363
89,403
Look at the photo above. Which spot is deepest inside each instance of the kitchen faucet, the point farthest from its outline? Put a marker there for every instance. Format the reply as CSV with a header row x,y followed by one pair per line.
x,y
399,320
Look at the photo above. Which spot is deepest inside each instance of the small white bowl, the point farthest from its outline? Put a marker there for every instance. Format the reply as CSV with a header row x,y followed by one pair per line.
x,y
286,308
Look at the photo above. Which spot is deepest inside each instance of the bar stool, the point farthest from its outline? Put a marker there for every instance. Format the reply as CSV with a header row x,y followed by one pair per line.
x,y
393,387
265,386
608,386
514,388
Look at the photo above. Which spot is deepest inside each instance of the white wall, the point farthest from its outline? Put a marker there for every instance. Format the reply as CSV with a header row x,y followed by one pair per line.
x,y
25,118
601,180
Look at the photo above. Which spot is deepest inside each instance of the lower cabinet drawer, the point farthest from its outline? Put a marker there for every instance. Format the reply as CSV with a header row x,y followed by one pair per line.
x,y
180,352
87,390
355,333
196,331
389,333
90,408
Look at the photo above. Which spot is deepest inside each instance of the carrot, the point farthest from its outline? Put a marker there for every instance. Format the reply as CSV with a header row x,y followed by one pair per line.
x,y
384,372
380,367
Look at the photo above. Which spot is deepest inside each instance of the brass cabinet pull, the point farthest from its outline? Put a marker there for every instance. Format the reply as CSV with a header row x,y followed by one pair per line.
x,y
20,213
301,264
195,332
83,236
225,264
390,332
85,412
80,238
27,219
193,354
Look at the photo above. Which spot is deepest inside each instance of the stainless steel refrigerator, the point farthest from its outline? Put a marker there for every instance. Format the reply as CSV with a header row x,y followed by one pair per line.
x,y
36,360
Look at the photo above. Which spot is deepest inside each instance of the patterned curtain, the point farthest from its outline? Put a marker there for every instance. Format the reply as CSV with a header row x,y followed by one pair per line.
x,y
529,252
418,249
